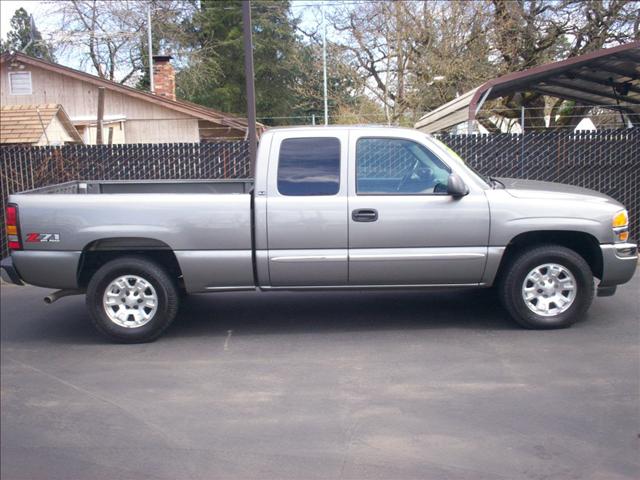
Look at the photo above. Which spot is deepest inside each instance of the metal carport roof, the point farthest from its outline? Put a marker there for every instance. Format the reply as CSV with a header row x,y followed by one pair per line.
x,y
607,77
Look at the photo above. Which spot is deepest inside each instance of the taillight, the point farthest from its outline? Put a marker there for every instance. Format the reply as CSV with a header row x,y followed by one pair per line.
x,y
13,231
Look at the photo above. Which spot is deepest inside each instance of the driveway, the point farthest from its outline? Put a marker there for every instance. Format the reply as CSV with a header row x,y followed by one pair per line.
x,y
390,385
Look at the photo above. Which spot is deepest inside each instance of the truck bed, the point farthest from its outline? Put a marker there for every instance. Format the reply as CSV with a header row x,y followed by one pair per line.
x,y
146,186
205,223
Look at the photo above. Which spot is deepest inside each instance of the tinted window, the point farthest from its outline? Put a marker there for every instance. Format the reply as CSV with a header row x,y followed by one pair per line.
x,y
397,166
309,166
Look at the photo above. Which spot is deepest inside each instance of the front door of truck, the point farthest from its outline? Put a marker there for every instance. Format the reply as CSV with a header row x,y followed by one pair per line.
x,y
404,229
307,209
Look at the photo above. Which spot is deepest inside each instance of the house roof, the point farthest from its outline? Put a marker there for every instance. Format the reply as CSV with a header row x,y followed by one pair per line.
x,y
198,111
27,123
606,77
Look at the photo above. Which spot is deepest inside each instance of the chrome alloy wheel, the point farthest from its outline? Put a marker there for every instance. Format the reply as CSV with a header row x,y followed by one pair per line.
x,y
549,290
130,301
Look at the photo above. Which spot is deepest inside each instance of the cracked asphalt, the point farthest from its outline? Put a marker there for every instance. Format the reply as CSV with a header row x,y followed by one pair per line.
x,y
358,385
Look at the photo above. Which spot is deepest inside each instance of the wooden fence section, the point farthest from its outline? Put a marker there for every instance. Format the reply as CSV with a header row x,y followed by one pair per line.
x,y
606,161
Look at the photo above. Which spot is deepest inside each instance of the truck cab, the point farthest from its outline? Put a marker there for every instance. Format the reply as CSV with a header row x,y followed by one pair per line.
x,y
366,207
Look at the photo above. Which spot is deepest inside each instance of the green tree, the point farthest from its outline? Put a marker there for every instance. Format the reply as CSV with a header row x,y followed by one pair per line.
x,y
215,77
25,37
346,91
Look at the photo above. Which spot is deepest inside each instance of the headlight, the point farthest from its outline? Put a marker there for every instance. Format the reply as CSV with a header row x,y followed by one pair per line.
x,y
620,219
620,225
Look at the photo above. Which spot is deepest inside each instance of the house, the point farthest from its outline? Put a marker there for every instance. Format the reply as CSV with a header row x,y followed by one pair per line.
x,y
130,115
45,124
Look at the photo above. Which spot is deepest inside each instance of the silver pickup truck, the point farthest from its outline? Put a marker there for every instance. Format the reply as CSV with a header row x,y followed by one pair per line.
x,y
330,208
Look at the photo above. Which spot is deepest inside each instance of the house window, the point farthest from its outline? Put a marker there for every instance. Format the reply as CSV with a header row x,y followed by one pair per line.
x,y
20,83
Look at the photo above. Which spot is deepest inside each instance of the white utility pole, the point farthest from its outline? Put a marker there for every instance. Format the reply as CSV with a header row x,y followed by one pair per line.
x,y
151,85
324,66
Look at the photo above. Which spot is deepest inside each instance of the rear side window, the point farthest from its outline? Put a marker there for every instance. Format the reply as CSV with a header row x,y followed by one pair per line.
x,y
309,166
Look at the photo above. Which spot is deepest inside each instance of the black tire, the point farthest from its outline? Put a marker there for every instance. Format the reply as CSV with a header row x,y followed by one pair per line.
x,y
516,271
165,289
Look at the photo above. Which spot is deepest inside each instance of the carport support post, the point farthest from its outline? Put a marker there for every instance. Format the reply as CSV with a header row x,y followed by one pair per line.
x,y
472,126
522,143
248,73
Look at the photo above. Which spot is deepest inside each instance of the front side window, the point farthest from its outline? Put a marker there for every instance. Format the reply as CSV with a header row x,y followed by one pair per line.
x,y
394,166
309,166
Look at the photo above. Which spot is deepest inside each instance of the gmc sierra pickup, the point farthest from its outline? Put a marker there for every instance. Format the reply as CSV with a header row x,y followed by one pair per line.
x,y
330,208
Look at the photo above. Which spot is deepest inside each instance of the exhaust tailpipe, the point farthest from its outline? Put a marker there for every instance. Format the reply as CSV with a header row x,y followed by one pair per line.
x,y
52,297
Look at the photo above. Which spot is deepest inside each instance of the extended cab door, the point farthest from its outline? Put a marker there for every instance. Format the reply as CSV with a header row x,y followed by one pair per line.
x,y
307,209
404,229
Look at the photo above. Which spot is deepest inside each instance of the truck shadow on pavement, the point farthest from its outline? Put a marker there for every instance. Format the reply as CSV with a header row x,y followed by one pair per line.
x,y
253,313
320,312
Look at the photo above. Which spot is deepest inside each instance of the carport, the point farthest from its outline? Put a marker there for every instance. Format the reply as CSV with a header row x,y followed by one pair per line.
x,y
608,77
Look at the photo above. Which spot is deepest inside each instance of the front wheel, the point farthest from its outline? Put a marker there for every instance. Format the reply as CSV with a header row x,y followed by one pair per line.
x,y
132,300
546,287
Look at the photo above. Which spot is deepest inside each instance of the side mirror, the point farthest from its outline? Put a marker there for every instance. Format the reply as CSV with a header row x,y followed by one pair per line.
x,y
456,186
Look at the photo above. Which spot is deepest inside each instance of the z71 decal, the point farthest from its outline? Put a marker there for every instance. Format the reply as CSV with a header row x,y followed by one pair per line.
x,y
43,237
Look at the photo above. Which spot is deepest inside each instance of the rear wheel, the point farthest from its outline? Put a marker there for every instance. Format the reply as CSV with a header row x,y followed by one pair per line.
x,y
548,286
132,300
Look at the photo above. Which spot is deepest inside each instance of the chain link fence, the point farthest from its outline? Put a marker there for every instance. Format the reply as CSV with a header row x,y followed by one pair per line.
x,y
606,161
25,168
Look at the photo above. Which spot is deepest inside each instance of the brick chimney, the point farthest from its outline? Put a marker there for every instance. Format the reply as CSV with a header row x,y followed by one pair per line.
x,y
164,78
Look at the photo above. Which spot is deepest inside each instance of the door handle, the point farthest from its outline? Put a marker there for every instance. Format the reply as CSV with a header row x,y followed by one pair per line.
x,y
364,215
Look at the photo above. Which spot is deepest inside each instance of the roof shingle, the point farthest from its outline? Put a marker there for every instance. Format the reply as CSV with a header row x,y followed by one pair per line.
x,y
27,123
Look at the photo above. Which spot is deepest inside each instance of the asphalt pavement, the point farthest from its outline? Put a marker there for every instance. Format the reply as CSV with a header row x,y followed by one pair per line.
x,y
358,385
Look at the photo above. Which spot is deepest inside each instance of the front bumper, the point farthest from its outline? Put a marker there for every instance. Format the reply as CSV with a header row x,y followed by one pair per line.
x,y
9,273
619,261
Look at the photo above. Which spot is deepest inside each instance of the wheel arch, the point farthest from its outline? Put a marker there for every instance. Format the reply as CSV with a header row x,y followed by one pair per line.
x,y
98,252
583,243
